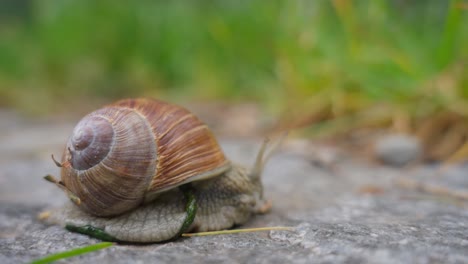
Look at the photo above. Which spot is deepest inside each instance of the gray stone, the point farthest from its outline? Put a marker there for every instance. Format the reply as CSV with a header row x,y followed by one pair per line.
x,y
336,216
398,149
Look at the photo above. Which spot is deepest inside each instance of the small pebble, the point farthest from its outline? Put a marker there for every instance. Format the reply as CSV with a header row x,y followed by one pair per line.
x,y
398,149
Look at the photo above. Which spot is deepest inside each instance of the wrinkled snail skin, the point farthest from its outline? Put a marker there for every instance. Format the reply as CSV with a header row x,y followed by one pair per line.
x,y
143,170
222,202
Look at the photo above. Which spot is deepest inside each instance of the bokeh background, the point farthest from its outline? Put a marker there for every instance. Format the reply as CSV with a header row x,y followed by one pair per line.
x,y
326,67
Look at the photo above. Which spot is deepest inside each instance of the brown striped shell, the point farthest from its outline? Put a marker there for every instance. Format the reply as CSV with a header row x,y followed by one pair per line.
x,y
126,153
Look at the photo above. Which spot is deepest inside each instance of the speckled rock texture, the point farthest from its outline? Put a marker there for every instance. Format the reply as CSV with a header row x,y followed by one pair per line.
x,y
350,211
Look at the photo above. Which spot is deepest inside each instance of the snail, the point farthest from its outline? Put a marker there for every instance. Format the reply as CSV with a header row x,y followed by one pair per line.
x,y
144,170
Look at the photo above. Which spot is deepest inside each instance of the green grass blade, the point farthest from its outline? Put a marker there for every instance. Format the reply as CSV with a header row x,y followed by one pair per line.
x,y
72,253
447,48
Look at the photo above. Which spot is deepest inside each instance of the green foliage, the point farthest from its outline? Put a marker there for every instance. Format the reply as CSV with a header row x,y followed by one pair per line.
x,y
342,55
72,253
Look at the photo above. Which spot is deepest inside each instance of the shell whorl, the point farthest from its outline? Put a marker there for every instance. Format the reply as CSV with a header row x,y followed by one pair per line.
x,y
90,142
125,153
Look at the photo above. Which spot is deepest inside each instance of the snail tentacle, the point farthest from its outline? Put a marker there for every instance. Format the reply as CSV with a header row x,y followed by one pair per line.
x,y
263,156
75,199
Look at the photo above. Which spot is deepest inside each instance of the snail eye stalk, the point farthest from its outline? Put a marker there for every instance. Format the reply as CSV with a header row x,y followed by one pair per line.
x,y
60,165
64,188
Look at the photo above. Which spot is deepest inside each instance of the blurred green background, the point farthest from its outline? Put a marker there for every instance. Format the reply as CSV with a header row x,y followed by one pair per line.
x,y
349,63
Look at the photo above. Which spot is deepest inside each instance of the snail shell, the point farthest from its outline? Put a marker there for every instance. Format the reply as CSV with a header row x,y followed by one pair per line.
x,y
126,153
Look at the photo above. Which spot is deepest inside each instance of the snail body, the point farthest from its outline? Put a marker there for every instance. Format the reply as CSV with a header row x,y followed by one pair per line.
x,y
138,169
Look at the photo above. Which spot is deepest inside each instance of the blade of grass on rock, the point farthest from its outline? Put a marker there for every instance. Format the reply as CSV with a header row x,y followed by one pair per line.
x,y
72,253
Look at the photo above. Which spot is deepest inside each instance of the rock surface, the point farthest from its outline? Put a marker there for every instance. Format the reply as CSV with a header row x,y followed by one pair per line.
x,y
350,212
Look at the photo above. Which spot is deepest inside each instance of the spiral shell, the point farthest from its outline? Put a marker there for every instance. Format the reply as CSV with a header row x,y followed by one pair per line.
x,y
126,153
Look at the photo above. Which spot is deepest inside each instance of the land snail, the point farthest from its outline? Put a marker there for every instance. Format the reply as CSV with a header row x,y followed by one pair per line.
x,y
144,170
